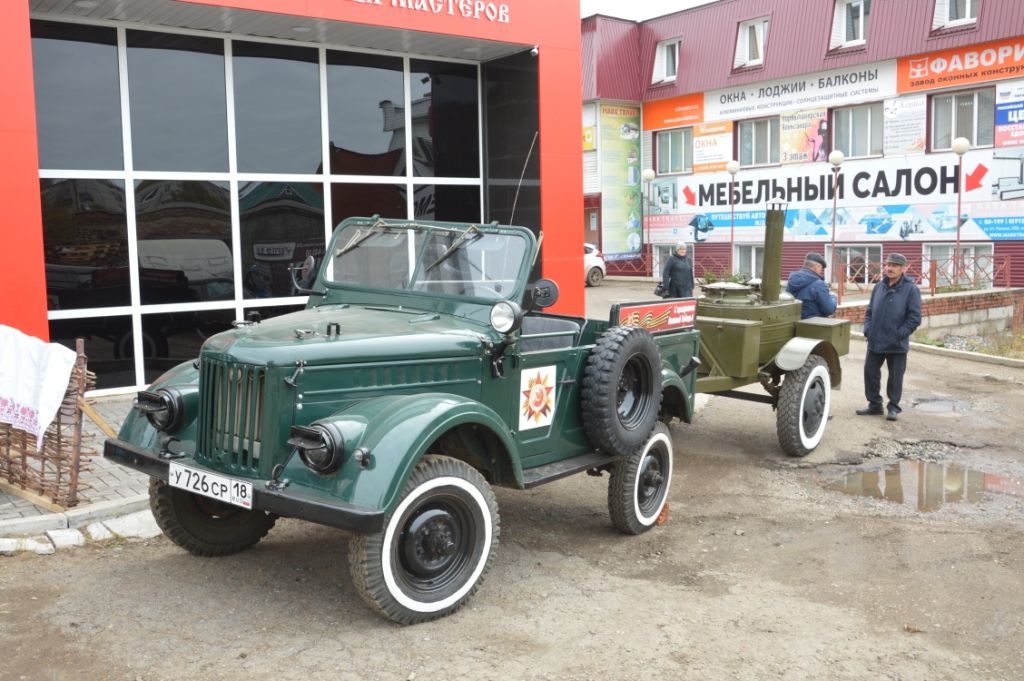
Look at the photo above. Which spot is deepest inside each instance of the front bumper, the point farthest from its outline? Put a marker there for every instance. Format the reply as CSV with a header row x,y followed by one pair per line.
x,y
290,502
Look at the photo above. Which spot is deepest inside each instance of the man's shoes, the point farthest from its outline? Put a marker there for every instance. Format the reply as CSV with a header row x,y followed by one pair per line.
x,y
892,415
870,411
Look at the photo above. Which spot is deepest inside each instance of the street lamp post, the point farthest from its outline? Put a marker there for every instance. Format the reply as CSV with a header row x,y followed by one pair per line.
x,y
960,146
733,167
647,176
836,158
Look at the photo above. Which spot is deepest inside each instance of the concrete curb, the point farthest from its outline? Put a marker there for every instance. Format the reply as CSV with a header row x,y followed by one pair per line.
x,y
74,518
138,525
959,354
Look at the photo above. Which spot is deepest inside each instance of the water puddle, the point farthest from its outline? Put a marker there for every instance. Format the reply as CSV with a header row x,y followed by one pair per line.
x,y
941,406
926,486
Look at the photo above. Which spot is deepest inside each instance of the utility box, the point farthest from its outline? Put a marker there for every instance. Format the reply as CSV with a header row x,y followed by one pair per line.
x,y
732,344
835,331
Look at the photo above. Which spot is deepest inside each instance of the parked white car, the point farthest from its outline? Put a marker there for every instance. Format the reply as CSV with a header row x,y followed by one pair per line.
x,y
593,265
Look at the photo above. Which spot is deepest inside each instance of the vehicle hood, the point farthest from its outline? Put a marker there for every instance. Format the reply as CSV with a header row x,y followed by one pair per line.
x,y
801,279
356,334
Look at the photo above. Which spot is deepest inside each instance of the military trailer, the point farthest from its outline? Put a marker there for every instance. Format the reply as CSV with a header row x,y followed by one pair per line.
x,y
753,334
422,372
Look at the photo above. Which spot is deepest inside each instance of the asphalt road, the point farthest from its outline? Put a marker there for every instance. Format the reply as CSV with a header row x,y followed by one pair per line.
x,y
910,568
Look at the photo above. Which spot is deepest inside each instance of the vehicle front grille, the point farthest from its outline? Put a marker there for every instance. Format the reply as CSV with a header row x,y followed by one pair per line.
x,y
230,416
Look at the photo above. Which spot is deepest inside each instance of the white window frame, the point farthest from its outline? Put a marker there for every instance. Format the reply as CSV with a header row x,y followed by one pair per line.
x,y
743,44
750,259
846,262
773,142
972,271
841,26
666,61
875,122
943,9
933,103
685,146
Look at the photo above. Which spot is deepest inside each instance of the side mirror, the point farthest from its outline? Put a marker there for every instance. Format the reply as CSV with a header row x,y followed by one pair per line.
x,y
302,275
541,294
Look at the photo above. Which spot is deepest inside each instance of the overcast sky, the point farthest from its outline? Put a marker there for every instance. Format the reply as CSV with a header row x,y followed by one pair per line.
x,y
636,9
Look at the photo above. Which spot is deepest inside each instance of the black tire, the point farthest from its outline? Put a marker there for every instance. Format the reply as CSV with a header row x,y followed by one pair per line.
x,y
595,276
621,395
435,548
205,527
638,489
804,402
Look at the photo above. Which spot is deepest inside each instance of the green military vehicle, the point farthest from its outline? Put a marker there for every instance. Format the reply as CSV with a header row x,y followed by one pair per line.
x,y
752,334
422,371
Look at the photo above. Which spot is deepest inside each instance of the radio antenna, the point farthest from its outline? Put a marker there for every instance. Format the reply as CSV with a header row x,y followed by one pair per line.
x,y
511,219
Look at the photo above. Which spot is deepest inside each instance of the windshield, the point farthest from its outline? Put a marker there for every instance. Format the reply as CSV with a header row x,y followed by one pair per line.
x,y
430,258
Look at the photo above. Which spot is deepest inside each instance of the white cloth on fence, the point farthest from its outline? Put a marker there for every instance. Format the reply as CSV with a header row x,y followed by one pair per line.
x,y
33,380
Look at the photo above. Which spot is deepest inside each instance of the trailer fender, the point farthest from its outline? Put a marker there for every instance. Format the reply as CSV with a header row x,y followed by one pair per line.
x,y
796,351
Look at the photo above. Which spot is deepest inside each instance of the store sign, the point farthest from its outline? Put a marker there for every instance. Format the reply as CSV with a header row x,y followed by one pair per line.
x,y
804,136
589,137
1010,115
479,10
674,113
905,125
621,209
962,66
712,146
830,89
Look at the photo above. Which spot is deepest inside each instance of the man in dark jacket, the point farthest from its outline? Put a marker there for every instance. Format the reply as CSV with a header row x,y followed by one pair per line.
x,y
808,286
677,276
893,313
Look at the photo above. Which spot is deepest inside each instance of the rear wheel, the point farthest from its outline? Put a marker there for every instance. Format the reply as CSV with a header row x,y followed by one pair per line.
x,y
205,527
804,402
435,548
638,489
595,276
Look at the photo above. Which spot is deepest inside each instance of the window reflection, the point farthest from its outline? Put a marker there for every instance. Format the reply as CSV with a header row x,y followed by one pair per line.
x,y
85,236
78,101
179,115
366,110
184,231
108,342
168,339
281,223
445,119
277,108
447,203
365,200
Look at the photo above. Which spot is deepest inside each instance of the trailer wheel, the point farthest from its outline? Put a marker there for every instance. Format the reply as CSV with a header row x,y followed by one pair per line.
x,y
205,527
638,489
804,402
621,395
435,548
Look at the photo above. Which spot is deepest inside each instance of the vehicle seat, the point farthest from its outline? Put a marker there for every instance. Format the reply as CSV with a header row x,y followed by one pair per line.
x,y
569,329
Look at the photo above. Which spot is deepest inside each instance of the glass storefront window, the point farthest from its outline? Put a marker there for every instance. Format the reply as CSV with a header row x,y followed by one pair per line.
x,y
445,121
184,232
366,112
85,236
170,338
108,343
277,108
178,107
447,203
281,223
364,200
78,100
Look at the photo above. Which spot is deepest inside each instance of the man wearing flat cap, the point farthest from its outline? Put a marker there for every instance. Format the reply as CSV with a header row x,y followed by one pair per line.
x,y
808,286
893,313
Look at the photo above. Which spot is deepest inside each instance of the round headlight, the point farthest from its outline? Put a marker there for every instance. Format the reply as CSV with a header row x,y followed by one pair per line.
x,y
506,316
164,409
327,457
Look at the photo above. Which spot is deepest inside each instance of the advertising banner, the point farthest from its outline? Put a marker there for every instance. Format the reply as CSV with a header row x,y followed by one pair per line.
x,y
589,137
674,113
906,125
712,146
804,136
620,181
1010,114
838,87
962,65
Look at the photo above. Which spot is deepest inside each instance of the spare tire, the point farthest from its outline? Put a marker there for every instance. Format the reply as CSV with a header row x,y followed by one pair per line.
x,y
621,394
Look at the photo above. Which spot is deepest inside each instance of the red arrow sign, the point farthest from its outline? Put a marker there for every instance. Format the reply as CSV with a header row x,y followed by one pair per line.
x,y
974,178
690,198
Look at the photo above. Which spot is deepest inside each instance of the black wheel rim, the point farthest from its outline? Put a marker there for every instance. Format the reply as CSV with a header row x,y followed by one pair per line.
x,y
813,411
651,480
437,546
634,392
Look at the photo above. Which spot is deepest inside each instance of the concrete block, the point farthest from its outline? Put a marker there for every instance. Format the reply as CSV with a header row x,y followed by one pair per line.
x,y
80,517
941,321
66,539
974,316
8,546
33,524
1000,313
139,525
38,545
98,532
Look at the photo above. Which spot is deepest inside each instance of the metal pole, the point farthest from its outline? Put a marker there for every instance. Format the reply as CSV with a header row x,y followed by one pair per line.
x,y
958,266
835,183
732,225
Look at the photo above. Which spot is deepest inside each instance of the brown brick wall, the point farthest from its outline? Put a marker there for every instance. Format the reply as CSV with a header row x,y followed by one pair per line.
x,y
950,303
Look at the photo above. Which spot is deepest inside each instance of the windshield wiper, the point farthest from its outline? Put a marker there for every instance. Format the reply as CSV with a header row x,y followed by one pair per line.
x,y
473,231
360,236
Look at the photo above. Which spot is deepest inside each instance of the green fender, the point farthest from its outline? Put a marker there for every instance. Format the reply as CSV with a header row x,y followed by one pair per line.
x,y
136,428
397,433
677,393
796,351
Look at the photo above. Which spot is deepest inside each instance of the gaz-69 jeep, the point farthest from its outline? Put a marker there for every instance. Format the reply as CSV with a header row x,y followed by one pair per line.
x,y
422,372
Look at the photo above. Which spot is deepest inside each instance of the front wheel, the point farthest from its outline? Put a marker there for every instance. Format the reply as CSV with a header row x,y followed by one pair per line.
x,y
804,402
638,489
435,548
205,527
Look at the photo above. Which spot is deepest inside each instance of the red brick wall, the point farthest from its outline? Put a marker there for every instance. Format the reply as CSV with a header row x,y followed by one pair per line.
x,y
950,303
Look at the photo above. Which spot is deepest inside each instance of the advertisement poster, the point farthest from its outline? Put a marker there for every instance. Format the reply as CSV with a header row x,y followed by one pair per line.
x,y
712,146
906,125
1010,114
621,236
962,66
804,136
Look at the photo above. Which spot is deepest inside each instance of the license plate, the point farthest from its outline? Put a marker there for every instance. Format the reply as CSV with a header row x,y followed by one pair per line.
x,y
219,487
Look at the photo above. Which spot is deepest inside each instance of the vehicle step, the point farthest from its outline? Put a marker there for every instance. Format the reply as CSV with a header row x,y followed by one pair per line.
x,y
560,469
